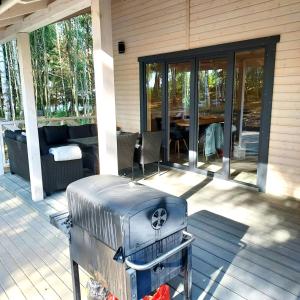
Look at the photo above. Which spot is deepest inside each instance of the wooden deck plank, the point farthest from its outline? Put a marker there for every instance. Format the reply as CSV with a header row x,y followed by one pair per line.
x,y
21,241
254,241
212,220
243,270
240,205
3,295
282,255
220,250
53,238
37,256
246,282
9,285
197,292
43,227
244,248
26,286
248,249
219,280
260,218
44,259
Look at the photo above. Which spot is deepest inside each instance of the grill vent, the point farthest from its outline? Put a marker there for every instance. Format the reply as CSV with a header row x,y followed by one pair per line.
x,y
159,218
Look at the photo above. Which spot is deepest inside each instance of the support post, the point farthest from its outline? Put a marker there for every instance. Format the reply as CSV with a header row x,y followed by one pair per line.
x,y
33,146
104,85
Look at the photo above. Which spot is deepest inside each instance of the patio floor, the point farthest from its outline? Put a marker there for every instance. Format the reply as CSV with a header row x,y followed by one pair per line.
x,y
247,243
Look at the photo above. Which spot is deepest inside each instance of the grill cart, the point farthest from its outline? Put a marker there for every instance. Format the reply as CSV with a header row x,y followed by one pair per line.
x,y
130,237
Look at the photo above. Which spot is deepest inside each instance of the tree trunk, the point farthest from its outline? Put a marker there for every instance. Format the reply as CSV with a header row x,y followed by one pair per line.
x,y
75,81
46,75
10,80
17,77
60,66
4,85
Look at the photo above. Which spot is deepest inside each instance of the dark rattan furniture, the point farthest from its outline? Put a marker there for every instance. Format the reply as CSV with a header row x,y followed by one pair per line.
x,y
126,145
85,142
57,175
150,149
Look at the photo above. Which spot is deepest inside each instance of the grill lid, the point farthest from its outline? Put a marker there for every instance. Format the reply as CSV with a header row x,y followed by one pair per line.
x,y
123,214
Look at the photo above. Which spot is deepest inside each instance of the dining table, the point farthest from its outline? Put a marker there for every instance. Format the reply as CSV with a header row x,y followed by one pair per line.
x,y
91,141
202,120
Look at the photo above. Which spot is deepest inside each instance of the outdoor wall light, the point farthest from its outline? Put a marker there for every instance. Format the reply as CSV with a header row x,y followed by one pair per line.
x,y
121,47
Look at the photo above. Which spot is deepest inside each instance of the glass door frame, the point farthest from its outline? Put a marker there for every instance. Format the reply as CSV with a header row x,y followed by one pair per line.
x,y
166,108
195,55
194,130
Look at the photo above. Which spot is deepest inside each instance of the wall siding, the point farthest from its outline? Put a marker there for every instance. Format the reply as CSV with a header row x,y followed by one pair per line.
x,y
159,26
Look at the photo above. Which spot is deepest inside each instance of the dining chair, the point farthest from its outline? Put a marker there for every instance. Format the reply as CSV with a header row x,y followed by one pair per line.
x,y
176,135
150,149
126,145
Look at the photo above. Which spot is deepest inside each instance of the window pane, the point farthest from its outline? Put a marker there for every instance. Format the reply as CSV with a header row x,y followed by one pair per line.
x,y
179,97
154,96
248,88
211,107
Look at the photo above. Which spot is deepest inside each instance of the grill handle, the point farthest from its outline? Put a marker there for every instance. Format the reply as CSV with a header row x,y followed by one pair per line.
x,y
189,239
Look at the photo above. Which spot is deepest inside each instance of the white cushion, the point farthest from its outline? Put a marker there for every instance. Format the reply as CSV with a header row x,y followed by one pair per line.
x,y
11,127
64,153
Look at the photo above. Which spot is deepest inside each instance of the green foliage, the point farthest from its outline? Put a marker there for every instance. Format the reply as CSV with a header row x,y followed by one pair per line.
x,y
62,69
60,114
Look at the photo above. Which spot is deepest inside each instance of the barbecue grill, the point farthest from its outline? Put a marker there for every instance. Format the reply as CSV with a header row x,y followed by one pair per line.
x,y
130,237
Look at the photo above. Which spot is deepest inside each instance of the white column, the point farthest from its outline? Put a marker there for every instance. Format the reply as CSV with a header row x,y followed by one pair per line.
x,y
33,147
104,85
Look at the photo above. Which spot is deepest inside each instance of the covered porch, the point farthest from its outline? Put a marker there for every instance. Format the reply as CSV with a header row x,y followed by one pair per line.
x,y
246,245
124,79
18,20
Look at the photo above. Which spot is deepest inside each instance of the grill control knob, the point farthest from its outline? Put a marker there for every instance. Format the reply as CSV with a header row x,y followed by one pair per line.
x,y
159,218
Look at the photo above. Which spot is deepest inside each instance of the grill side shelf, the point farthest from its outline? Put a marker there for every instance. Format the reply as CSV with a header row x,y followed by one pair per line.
x,y
61,221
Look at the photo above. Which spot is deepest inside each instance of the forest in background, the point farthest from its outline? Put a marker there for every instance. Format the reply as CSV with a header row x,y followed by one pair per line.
x,y
63,71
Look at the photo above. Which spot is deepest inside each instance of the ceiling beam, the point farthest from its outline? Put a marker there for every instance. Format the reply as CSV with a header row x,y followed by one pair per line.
x,y
21,9
10,21
54,12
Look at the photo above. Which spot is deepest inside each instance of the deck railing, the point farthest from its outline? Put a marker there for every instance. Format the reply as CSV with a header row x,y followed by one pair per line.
x,y
42,121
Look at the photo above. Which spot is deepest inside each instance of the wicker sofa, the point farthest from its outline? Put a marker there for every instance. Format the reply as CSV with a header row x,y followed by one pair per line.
x,y
57,175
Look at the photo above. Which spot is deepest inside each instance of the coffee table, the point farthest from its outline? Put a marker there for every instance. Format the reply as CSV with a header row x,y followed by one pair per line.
x,y
85,142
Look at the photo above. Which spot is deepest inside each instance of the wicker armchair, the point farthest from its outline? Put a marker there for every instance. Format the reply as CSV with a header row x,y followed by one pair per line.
x,y
150,149
126,145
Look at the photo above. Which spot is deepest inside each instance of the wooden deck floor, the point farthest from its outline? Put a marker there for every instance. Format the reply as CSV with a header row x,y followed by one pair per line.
x,y
34,256
247,244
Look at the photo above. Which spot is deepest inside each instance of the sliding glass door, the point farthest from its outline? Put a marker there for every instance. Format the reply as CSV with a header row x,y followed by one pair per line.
x,y
211,99
179,99
213,106
246,115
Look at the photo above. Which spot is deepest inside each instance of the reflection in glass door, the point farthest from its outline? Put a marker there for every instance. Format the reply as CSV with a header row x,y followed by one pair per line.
x,y
246,117
211,108
179,98
154,96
